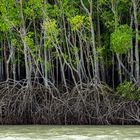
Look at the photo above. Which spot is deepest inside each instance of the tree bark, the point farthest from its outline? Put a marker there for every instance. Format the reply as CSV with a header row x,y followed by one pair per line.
x,y
137,68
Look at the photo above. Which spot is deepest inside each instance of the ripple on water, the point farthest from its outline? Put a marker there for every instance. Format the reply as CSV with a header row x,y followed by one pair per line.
x,y
69,133
63,137
69,137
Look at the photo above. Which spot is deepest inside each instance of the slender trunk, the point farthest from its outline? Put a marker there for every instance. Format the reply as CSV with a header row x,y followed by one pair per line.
x,y
100,44
1,61
96,69
90,14
23,34
13,63
137,67
131,51
45,64
18,66
5,61
115,12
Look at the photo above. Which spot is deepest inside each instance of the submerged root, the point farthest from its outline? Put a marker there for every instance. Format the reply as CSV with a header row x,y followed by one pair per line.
x,y
84,104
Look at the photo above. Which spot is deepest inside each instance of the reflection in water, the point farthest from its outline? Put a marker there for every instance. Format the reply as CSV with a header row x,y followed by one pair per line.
x,y
38,132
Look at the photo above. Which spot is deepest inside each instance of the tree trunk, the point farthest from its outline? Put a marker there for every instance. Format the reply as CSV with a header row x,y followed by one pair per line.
x,y
137,68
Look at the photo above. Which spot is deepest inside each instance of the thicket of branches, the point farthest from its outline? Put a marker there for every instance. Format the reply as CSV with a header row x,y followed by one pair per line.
x,y
69,62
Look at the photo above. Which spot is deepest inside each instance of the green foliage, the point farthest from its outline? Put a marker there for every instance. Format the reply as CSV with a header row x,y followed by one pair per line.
x,y
52,31
121,38
128,90
29,39
69,8
103,2
109,21
78,21
66,25
53,11
33,8
74,49
48,66
34,48
100,51
9,15
65,8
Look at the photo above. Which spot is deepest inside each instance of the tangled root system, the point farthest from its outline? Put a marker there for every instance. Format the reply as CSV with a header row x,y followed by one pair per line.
x,y
83,104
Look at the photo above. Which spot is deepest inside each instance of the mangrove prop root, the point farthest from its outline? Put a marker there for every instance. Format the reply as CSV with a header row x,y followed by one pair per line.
x,y
83,104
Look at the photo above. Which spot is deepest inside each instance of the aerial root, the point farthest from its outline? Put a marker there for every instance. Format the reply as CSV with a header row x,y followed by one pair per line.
x,y
85,103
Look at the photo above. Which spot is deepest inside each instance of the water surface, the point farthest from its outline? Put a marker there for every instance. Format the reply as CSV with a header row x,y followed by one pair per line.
x,y
43,132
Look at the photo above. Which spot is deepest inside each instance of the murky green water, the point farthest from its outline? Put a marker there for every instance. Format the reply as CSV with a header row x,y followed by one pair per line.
x,y
44,132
